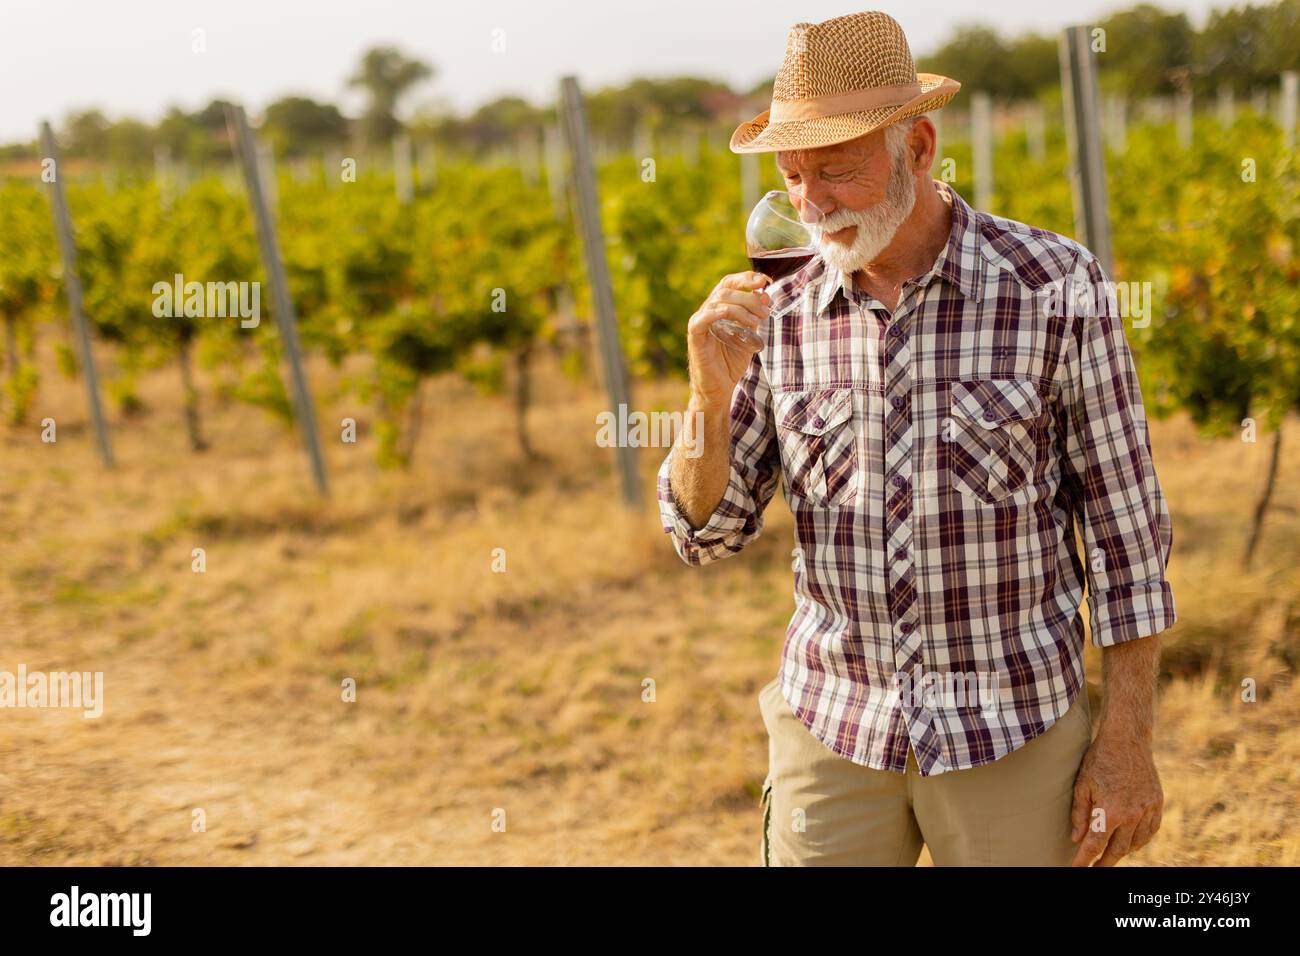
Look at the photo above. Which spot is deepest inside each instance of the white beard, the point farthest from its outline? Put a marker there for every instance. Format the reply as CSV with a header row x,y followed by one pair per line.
x,y
876,226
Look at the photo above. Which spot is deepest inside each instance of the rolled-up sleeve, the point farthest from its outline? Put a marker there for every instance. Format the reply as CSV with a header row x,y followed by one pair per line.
x,y
1108,472
755,463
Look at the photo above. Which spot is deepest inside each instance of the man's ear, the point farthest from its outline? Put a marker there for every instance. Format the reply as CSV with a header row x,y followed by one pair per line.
x,y
923,141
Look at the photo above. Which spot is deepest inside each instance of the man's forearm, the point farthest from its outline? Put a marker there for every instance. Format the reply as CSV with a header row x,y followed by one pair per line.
x,y
698,483
1128,705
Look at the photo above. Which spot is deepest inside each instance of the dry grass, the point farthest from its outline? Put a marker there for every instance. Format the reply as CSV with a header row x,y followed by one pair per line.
x,y
478,690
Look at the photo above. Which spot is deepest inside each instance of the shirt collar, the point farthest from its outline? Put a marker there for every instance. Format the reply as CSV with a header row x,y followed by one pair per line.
x,y
961,261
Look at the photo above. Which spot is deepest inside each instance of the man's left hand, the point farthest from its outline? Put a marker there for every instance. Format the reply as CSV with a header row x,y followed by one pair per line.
x,y
1118,777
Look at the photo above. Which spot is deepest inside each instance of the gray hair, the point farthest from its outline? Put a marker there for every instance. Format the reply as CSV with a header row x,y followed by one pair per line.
x,y
896,137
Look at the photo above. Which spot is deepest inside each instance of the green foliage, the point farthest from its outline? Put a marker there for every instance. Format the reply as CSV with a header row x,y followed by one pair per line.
x,y
19,391
670,241
1225,343
66,359
28,275
263,387
466,276
487,372
123,391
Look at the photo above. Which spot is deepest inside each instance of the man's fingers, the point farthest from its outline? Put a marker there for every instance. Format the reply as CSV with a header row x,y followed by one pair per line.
x,y
756,303
1145,830
1092,847
743,280
721,310
734,298
726,310
1120,841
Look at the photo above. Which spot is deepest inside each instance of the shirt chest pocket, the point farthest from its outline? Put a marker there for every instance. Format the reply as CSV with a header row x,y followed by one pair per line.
x,y
992,436
819,445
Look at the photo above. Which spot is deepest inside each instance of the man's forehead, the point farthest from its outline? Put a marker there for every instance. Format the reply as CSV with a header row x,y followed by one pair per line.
x,y
822,155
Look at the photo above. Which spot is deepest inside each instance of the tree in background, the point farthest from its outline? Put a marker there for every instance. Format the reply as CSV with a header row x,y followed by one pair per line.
x,y
1017,68
84,133
129,142
386,75
1247,47
197,138
493,124
298,125
615,111
1147,51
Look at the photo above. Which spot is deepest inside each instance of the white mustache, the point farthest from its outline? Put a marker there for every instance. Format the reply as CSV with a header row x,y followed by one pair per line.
x,y
840,219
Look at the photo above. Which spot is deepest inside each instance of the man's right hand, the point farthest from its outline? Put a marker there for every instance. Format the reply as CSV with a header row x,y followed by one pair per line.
x,y
715,368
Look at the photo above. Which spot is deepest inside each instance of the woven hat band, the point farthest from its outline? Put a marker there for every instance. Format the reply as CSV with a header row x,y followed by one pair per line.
x,y
784,111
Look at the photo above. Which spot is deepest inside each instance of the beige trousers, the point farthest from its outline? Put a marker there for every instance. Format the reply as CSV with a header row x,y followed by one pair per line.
x,y
821,809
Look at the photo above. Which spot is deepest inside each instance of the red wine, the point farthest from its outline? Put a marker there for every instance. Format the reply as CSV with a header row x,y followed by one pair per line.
x,y
780,263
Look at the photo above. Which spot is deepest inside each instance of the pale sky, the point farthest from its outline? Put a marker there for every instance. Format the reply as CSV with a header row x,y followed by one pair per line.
x,y
134,57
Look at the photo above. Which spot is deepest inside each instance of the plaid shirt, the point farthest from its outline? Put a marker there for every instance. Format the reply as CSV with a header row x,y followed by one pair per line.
x,y
938,462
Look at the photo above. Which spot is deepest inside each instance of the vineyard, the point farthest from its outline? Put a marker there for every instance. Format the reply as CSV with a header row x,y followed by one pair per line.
x,y
453,330
442,284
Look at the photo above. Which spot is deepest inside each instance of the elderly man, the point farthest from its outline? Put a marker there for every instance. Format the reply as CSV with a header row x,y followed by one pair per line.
x,y
946,397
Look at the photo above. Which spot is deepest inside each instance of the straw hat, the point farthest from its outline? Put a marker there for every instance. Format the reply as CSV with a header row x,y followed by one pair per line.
x,y
841,79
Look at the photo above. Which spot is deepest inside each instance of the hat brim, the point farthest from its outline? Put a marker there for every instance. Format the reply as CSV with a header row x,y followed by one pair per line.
x,y
760,136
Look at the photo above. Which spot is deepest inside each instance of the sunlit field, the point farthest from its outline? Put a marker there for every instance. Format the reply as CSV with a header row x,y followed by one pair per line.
x,y
481,690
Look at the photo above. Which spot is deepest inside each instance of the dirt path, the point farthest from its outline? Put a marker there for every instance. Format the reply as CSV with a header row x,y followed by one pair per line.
x,y
481,692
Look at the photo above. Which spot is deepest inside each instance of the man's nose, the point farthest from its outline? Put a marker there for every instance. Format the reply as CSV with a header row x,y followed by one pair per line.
x,y
811,211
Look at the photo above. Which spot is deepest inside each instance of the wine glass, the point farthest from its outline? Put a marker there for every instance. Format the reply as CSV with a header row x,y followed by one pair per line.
x,y
777,243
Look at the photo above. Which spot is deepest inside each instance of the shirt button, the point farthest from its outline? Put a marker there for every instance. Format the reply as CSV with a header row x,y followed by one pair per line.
x,y
989,414
898,401
905,627
900,554
818,423
899,481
